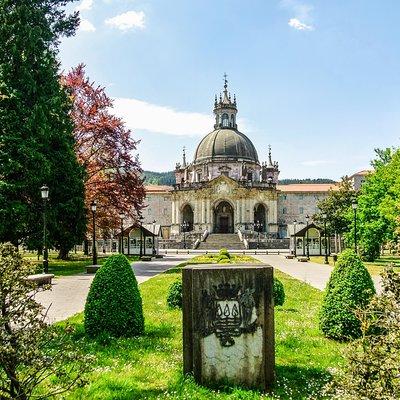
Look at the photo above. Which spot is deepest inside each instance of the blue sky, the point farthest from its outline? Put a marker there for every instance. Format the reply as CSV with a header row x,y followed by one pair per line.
x,y
318,80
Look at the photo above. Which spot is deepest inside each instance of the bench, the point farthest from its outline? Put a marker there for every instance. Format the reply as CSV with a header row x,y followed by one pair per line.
x,y
92,269
289,256
145,258
302,259
41,279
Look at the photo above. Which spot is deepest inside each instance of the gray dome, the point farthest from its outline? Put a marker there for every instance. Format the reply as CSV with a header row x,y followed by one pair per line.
x,y
226,144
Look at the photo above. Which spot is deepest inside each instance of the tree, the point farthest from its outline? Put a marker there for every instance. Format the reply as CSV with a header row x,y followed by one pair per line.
x,y
372,367
36,141
378,204
114,304
105,148
337,206
350,287
30,351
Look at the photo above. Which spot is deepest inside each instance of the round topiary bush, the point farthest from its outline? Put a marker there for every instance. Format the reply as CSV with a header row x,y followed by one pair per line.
x,y
224,261
279,292
174,296
350,287
224,252
114,305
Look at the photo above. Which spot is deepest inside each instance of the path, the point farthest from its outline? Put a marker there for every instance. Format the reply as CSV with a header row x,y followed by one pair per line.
x,y
316,275
68,294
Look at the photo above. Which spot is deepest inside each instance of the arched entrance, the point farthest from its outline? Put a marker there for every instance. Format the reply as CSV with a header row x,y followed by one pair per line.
x,y
223,218
188,216
260,216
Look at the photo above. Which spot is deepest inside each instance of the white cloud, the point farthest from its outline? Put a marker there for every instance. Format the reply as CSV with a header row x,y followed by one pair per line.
x,y
302,14
128,20
141,115
85,5
86,26
296,24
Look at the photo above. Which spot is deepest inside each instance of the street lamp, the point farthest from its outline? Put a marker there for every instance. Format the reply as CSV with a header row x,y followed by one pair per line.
x,y
121,217
154,231
325,217
354,206
258,227
184,227
44,190
294,237
93,206
307,244
141,236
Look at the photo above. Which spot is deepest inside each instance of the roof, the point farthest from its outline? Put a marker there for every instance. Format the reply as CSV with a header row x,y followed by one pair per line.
x,y
226,143
307,187
364,172
157,188
303,230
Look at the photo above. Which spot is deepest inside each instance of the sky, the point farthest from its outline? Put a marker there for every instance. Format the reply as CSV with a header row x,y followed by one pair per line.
x,y
319,81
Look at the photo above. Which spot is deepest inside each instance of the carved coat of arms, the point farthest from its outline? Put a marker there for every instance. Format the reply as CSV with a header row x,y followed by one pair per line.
x,y
228,312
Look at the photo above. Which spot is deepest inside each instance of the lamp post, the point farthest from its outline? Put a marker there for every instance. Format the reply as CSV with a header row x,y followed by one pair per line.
x,y
141,236
325,216
93,206
354,206
307,244
184,227
258,226
44,190
121,217
154,231
294,236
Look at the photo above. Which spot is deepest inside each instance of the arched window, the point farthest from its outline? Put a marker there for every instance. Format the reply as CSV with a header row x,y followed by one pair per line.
x,y
232,120
225,120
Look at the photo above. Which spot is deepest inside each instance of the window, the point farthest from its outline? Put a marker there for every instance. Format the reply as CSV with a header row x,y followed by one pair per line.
x,y
165,211
301,196
225,120
284,211
249,176
284,197
301,210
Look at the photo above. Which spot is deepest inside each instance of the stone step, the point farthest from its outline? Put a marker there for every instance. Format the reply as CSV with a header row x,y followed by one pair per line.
x,y
217,241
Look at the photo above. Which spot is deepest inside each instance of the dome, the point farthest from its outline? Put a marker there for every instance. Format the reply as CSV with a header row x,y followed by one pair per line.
x,y
226,144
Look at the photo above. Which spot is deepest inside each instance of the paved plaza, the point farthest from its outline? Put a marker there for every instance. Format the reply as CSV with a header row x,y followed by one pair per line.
x,y
68,294
316,275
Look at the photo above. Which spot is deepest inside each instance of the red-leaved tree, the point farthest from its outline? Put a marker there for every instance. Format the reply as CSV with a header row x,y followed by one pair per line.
x,y
106,149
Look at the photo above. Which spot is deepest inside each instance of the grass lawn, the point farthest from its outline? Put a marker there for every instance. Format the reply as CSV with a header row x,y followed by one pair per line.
x,y
75,265
149,367
374,268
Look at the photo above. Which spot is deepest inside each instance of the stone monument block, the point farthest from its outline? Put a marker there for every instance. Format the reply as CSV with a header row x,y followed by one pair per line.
x,y
228,324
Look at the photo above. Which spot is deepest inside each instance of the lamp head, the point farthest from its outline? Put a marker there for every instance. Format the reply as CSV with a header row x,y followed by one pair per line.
x,y
93,205
121,215
324,216
354,206
44,190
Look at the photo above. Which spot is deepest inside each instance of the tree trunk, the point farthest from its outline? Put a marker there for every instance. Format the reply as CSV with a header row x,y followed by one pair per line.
x,y
63,254
86,247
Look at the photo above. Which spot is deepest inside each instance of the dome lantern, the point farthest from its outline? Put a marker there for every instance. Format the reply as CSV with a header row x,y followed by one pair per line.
x,y
225,109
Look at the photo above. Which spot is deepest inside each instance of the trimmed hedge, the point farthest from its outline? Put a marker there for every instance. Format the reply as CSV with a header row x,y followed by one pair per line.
x,y
114,305
350,287
278,292
174,296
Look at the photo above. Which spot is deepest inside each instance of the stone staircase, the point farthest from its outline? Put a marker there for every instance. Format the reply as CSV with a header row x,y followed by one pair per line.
x,y
217,241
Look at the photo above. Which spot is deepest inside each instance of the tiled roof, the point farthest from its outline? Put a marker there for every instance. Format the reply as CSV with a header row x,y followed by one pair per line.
x,y
307,187
364,172
157,188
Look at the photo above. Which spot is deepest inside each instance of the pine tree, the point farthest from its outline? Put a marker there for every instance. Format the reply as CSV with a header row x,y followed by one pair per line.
x,y
36,141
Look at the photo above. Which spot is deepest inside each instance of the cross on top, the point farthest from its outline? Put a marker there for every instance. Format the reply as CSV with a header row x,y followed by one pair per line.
x,y
225,80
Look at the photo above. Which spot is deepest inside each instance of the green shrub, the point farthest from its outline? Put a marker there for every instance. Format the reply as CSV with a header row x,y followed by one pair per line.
x,y
174,297
114,304
222,257
350,287
224,252
224,261
279,292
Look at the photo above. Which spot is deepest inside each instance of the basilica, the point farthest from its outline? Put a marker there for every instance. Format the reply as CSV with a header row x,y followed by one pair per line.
x,y
226,188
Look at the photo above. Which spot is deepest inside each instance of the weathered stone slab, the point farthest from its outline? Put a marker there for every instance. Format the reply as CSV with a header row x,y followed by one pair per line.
x,y
41,279
228,324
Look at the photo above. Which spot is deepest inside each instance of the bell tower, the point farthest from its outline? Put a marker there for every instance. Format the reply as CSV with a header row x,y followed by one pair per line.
x,y
225,109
